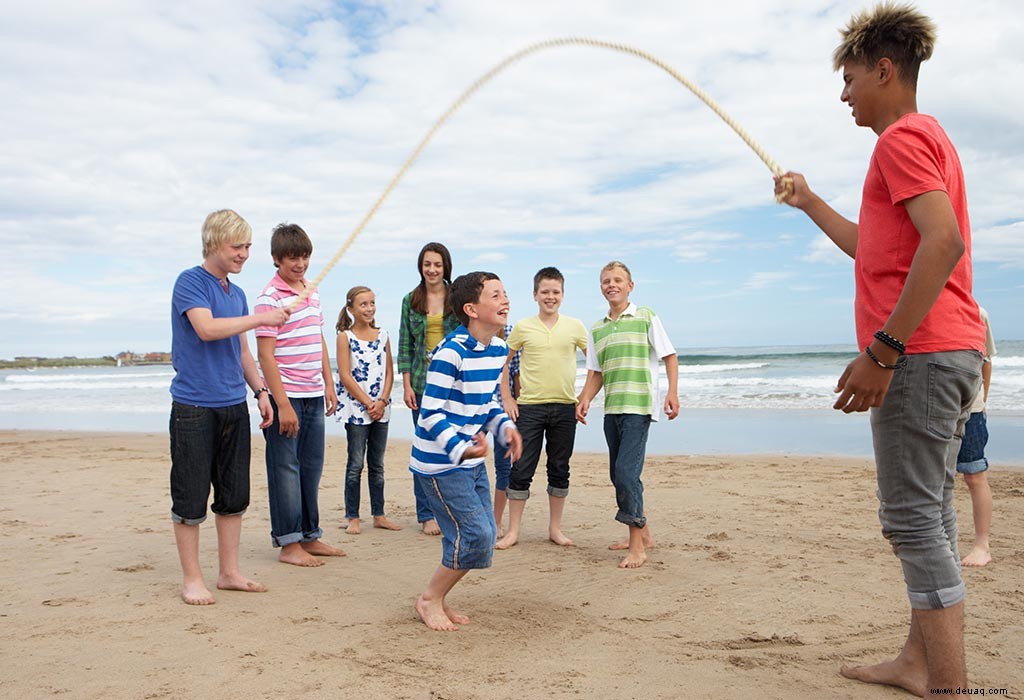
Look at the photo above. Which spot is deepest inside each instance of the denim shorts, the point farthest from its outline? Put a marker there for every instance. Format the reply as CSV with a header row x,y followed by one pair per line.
x,y
209,446
971,459
460,500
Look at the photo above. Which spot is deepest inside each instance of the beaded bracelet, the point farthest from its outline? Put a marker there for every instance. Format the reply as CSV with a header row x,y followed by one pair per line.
x,y
893,343
877,361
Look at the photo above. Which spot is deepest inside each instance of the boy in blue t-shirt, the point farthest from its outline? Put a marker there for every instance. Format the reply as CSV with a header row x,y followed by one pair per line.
x,y
449,447
209,425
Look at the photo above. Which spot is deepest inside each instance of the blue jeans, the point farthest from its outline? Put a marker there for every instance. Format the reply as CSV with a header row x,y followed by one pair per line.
x,y
916,435
461,501
502,466
626,435
971,459
370,439
423,512
294,466
209,446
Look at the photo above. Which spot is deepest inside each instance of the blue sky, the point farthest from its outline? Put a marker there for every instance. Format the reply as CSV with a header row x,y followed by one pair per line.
x,y
126,123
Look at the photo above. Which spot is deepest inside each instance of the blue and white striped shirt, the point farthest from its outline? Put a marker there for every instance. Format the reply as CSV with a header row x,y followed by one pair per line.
x,y
458,402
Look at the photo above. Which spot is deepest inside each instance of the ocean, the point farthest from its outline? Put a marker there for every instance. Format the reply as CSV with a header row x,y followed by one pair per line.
x,y
734,401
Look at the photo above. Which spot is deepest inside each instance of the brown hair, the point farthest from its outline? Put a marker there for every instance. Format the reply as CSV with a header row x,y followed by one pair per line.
x,y
897,32
345,319
547,273
466,289
289,241
418,302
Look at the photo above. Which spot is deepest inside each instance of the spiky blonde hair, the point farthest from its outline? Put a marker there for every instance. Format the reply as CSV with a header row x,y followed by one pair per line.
x,y
897,32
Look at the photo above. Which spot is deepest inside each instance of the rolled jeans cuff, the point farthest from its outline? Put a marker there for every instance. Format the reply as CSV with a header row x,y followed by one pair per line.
x,y
557,492
517,495
630,520
175,518
937,600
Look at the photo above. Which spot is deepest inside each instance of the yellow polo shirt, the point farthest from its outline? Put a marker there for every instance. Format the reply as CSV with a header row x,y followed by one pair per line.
x,y
547,369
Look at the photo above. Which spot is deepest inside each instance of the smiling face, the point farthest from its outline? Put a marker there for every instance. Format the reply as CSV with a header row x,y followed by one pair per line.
x,y
860,91
432,268
292,268
228,258
548,296
616,284
364,307
490,312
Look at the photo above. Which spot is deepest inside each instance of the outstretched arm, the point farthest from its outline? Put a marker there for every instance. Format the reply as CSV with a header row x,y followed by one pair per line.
x,y
841,230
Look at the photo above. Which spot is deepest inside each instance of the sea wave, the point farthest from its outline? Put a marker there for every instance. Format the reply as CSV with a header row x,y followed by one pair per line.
x,y
68,383
35,378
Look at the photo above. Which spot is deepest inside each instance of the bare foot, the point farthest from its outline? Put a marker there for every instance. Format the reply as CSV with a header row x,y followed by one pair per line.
x,y
560,539
896,672
430,528
384,524
322,549
353,526
624,544
433,615
296,555
977,557
197,594
633,560
455,617
508,540
240,583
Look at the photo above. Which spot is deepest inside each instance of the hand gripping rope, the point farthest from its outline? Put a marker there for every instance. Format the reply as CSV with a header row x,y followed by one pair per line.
x,y
486,77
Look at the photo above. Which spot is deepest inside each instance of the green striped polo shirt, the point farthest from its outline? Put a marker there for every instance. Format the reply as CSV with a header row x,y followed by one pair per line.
x,y
623,349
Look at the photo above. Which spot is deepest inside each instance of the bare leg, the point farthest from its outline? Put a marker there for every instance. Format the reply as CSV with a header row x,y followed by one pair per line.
x,y
229,533
515,521
322,549
500,499
556,506
430,527
295,554
933,656
383,523
624,544
353,526
431,606
636,556
981,507
193,588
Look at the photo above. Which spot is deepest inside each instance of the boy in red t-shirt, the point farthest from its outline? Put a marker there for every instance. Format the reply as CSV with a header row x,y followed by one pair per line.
x,y
919,327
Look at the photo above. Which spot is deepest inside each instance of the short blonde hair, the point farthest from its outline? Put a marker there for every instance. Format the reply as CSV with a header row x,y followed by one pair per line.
x,y
897,32
616,264
224,226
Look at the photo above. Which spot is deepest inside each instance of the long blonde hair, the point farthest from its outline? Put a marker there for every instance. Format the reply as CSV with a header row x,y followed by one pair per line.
x,y
345,320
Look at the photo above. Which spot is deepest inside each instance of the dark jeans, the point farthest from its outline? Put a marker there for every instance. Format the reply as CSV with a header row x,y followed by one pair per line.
x,y
369,440
557,423
423,512
626,435
294,467
209,446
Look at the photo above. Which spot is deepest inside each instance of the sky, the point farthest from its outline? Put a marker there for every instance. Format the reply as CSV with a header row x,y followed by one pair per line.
x,y
125,123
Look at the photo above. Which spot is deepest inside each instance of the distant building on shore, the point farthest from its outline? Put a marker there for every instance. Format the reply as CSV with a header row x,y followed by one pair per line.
x,y
128,357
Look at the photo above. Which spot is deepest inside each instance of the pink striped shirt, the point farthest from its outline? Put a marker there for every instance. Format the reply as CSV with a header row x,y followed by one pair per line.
x,y
299,346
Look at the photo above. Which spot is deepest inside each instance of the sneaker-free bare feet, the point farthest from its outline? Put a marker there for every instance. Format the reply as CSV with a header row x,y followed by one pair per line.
x,y
508,540
977,557
240,583
560,539
196,593
624,544
433,615
896,672
383,523
430,528
322,549
633,560
296,555
353,527
455,617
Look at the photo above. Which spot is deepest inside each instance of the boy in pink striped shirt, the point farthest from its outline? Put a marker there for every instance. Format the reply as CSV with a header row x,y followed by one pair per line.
x,y
297,371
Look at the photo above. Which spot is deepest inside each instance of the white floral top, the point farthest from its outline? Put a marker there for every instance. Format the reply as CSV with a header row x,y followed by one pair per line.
x,y
368,362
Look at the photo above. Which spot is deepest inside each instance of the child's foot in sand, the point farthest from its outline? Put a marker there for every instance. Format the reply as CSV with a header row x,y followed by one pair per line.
x,y
353,526
455,617
896,672
624,544
633,560
322,549
508,540
240,583
433,615
560,539
430,527
197,593
296,555
978,557
383,523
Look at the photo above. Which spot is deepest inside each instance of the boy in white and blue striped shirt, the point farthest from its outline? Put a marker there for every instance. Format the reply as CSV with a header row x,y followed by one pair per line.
x,y
449,447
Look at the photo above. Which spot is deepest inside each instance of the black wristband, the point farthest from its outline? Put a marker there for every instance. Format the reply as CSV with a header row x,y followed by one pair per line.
x,y
878,362
256,394
893,343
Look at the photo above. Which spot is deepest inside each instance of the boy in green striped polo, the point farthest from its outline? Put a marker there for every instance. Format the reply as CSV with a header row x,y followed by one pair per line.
x,y
623,350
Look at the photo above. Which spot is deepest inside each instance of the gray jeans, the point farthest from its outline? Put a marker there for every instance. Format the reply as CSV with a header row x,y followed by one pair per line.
x,y
916,436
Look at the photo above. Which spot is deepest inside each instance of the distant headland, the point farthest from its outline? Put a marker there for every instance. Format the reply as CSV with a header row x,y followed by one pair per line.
x,y
122,359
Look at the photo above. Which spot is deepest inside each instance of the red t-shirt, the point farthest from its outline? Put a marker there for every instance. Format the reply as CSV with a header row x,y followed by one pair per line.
x,y
912,156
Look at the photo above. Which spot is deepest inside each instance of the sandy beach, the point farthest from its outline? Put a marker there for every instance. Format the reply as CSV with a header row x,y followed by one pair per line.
x,y
769,573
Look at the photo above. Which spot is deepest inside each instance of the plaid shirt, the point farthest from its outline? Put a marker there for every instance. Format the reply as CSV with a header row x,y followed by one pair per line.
x,y
513,370
412,343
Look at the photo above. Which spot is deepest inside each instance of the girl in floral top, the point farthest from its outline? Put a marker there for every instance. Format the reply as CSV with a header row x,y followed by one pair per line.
x,y
364,402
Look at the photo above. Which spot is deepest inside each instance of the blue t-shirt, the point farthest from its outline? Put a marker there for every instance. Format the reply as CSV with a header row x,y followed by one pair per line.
x,y
206,373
